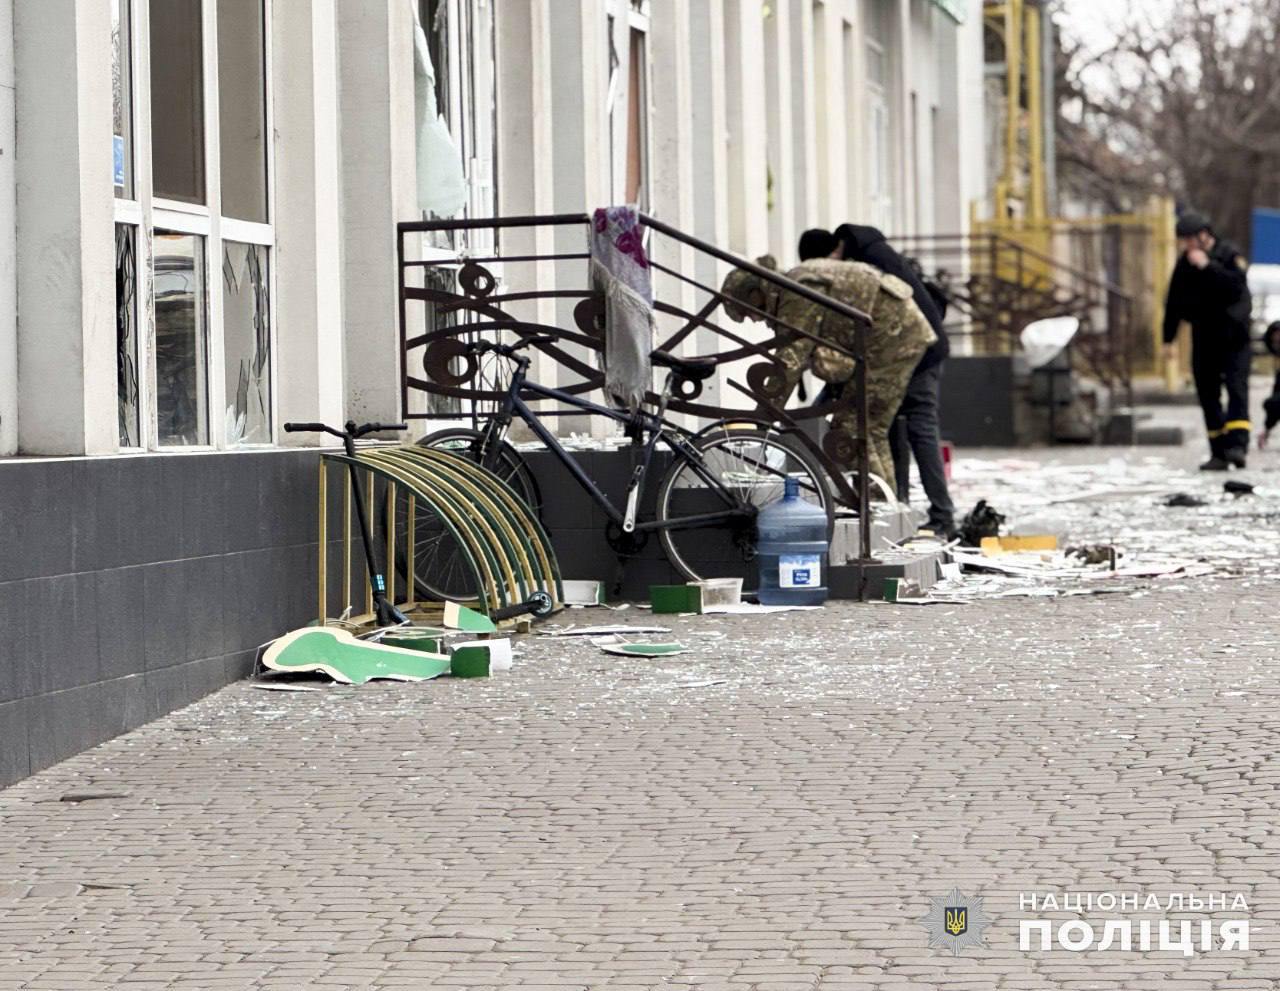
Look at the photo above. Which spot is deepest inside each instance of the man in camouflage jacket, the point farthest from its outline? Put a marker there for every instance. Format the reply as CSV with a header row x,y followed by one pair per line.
x,y
897,339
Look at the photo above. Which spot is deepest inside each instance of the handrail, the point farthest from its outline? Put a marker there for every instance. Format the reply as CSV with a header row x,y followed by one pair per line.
x,y
1003,240
563,219
760,271
836,464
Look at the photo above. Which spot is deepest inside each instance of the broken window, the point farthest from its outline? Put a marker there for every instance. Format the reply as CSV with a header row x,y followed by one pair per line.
x,y
127,336
246,335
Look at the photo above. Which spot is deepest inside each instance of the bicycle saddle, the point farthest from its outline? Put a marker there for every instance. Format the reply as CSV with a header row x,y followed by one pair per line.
x,y
693,369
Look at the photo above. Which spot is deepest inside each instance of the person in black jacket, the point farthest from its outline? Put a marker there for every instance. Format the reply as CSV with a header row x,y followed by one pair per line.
x,y
920,404
1209,289
1271,405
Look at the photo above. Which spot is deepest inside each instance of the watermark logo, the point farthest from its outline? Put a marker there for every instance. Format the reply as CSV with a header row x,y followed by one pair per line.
x,y
955,922
1223,922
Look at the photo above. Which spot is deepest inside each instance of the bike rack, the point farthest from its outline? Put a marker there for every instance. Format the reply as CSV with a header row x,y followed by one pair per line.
x,y
507,551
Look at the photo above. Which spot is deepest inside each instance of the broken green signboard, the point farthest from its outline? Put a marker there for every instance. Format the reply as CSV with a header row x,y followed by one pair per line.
x,y
345,659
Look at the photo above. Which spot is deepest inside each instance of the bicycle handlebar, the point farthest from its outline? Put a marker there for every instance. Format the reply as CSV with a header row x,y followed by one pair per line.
x,y
349,430
507,350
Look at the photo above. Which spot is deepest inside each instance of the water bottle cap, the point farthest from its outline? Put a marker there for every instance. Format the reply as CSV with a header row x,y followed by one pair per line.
x,y
791,490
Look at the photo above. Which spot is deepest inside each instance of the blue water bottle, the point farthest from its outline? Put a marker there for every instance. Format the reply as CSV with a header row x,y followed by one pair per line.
x,y
792,548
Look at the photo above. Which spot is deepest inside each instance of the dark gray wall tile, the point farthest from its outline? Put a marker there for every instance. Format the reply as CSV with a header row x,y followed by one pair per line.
x,y
137,520
15,750
121,621
206,635
237,666
38,504
166,614
17,630
63,649
199,483
63,724
172,688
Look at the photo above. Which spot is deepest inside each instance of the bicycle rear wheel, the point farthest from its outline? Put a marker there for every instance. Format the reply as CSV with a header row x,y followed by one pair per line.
x,y
439,563
752,465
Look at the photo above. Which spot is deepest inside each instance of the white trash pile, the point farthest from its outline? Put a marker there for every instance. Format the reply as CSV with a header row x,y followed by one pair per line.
x,y
1115,528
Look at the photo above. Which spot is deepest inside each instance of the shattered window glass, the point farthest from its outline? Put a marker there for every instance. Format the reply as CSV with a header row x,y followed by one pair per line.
x,y
438,318
181,313
127,336
246,332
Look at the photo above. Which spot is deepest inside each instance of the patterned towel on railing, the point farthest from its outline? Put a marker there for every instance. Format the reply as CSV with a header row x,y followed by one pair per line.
x,y
620,270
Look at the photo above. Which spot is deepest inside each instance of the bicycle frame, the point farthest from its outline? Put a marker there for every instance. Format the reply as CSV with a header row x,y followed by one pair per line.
x,y
657,430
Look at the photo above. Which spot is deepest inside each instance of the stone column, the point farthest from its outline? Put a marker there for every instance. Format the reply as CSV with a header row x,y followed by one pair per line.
x,y
379,170
308,215
65,250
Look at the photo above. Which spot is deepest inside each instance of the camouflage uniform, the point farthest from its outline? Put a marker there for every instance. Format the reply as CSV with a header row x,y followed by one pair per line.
x,y
896,340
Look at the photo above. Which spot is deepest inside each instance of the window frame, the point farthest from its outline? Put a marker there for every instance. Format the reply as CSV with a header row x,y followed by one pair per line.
x,y
472,60
622,17
129,212
879,39
149,213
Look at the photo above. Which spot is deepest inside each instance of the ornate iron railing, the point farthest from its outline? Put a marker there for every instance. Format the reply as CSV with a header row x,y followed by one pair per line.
x,y
513,296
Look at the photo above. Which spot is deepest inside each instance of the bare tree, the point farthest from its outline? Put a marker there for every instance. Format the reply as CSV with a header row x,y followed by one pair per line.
x,y
1186,103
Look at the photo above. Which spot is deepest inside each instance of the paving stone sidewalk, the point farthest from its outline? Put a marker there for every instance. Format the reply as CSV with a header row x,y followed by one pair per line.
x,y
591,821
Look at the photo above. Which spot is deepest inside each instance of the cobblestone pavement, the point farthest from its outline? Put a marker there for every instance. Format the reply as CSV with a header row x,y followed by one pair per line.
x,y
590,821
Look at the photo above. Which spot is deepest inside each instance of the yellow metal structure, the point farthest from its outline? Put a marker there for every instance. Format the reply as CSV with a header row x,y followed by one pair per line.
x,y
1020,208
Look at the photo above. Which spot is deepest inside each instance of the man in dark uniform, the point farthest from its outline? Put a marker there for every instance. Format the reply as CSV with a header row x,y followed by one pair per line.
x,y
1271,405
1210,290
920,404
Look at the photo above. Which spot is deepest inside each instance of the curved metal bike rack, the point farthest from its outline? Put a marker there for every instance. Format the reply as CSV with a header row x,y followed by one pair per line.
x,y
506,551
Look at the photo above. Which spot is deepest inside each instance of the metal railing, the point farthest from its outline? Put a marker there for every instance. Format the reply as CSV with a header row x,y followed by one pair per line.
x,y
541,287
996,286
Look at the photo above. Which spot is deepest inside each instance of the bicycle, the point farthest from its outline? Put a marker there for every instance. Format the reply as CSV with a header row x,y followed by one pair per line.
x,y
706,502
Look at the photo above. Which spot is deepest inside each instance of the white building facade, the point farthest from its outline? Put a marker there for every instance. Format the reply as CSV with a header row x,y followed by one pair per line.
x,y
198,201
202,193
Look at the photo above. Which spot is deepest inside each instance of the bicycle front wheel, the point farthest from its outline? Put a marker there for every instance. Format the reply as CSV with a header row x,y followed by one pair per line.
x,y
735,469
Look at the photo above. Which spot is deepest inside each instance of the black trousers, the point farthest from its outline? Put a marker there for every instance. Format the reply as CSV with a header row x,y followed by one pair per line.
x,y
917,431
1214,368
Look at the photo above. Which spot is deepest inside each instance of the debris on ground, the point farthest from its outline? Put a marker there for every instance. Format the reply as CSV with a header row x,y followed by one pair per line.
x,y
991,546
76,797
982,521
1094,554
681,600
283,686
480,658
581,593
1112,519
459,617
598,631
349,661
635,649
1184,500
751,609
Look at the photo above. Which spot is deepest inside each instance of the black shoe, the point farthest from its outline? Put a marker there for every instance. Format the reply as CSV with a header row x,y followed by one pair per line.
x,y
1215,464
1235,456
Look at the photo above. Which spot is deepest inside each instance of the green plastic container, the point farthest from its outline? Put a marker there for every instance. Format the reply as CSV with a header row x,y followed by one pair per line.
x,y
671,599
469,662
